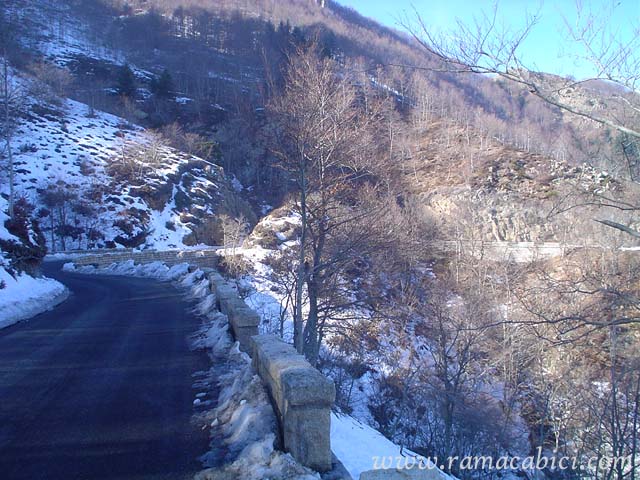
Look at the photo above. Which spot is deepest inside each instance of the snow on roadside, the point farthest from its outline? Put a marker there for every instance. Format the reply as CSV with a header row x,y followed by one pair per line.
x,y
373,449
245,420
24,296
354,443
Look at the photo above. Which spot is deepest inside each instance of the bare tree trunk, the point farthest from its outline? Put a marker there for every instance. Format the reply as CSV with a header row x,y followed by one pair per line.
x,y
7,128
311,343
312,330
53,229
634,442
12,187
298,335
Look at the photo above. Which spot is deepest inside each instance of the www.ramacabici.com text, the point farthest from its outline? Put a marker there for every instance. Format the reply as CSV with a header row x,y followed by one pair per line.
x,y
539,461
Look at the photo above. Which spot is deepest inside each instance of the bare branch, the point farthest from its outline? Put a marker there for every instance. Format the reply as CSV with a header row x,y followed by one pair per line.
x,y
487,50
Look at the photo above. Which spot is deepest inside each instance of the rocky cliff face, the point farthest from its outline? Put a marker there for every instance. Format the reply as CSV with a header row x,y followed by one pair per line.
x,y
499,193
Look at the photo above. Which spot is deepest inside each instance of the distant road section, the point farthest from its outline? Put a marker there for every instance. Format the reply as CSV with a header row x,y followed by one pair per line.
x,y
519,252
101,387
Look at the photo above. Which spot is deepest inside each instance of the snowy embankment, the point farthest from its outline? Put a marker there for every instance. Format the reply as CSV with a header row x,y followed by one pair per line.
x,y
24,296
361,448
357,445
244,418
70,165
156,270
70,151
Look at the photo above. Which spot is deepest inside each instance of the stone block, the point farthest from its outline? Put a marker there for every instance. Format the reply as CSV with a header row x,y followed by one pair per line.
x,y
307,386
302,398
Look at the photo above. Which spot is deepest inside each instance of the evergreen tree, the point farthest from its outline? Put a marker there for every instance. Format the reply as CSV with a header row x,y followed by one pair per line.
x,y
162,87
126,82
298,37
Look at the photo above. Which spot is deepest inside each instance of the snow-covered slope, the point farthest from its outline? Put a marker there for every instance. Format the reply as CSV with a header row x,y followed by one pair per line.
x,y
97,180
103,182
360,448
22,295
52,28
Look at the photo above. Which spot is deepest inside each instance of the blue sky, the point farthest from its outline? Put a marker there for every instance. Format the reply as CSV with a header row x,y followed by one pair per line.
x,y
546,49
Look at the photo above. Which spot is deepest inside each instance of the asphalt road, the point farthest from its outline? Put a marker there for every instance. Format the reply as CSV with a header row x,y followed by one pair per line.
x,y
101,387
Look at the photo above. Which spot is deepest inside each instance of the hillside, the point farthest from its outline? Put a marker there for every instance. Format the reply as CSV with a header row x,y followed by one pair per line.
x,y
230,71
103,182
486,190
332,174
444,112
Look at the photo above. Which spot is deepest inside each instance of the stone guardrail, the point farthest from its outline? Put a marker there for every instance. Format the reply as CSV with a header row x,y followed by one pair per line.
x,y
201,258
243,320
302,398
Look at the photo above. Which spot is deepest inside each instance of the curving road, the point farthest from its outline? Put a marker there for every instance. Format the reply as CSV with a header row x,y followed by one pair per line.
x,y
101,387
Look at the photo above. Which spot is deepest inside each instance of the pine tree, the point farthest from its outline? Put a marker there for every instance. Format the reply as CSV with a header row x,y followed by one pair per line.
x,y
163,86
126,82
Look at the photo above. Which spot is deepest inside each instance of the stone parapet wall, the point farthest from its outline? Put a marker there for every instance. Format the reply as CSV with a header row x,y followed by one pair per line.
x,y
200,258
243,320
302,398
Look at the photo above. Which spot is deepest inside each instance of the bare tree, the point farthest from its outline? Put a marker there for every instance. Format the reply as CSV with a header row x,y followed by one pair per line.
x,y
486,48
322,139
51,83
11,100
283,277
584,299
234,231
59,200
137,156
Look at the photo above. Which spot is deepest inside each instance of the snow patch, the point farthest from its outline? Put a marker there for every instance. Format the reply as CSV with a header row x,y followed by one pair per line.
x,y
357,445
246,422
25,296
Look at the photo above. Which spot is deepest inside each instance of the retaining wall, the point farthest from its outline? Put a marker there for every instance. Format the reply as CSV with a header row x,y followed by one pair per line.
x,y
242,319
302,399
301,396
200,258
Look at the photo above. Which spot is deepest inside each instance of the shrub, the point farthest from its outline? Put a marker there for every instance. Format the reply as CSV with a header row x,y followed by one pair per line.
x,y
234,266
27,253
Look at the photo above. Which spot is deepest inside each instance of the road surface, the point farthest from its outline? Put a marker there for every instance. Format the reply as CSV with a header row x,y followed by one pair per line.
x,y
101,387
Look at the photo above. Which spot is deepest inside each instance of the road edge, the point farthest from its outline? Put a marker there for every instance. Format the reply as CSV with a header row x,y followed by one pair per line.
x,y
35,307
